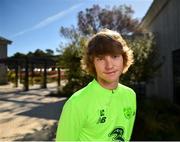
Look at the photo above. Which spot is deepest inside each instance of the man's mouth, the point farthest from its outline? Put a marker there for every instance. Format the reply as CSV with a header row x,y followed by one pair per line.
x,y
111,72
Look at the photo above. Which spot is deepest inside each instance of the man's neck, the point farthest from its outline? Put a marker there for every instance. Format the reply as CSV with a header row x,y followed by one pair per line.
x,y
108,85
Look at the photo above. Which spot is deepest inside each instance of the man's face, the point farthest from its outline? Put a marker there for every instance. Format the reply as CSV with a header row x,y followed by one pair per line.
x,y
108,68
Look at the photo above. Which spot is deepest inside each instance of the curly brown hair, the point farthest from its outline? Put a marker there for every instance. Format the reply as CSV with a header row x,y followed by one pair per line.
x,y
106,42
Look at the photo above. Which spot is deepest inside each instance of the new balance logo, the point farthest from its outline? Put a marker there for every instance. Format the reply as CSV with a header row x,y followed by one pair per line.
x,y
102,117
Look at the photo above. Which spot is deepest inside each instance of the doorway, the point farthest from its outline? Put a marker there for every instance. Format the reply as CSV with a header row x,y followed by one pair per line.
x,y
176,75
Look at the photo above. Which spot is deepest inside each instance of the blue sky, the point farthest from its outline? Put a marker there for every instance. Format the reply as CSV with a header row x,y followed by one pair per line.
x,y
35,24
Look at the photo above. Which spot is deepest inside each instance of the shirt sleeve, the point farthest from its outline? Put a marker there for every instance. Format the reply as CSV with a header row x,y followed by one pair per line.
x,y
133,115
70,123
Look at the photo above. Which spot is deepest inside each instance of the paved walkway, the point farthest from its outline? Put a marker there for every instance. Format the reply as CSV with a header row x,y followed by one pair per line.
x,y
28,115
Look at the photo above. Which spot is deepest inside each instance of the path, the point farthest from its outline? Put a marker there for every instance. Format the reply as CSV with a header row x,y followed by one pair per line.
x,y
28,115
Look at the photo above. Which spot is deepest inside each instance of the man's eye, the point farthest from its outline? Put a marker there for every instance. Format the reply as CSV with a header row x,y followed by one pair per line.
x,y
115,56
99,58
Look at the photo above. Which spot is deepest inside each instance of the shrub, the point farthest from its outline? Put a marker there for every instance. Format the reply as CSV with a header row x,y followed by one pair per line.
x,y
157,119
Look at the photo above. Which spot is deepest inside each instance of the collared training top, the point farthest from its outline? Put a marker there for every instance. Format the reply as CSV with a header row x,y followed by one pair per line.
x,y
98,114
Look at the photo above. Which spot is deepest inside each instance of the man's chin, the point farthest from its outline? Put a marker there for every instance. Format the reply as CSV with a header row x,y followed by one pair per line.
x,y
111,80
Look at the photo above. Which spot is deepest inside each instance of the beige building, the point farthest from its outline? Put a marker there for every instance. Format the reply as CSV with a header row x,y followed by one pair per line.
x,y
163,19
3,55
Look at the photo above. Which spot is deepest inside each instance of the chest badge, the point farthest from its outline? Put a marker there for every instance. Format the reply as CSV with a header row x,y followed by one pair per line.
x,y
128,112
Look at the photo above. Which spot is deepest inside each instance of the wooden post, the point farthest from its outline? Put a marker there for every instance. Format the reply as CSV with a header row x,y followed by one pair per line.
x,y
16,74
45,75
59,77
32,74
20,76
26,80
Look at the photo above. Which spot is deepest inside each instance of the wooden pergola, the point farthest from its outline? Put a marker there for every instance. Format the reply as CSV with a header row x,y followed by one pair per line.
x,y
29,63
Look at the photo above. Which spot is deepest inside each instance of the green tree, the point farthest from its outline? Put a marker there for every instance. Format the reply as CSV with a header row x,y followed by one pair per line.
x,y
39,53
49,52
146,62
117,18
71,60
18,55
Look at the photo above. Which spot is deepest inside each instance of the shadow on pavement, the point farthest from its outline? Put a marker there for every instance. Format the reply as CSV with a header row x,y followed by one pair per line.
x,y
18,91
46,111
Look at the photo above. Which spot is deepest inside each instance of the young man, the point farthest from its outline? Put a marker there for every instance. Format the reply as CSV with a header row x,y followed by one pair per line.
x,y
104,110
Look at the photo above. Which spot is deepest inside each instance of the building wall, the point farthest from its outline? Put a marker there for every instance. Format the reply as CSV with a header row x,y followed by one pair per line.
x,y
3,68
166,26
3,50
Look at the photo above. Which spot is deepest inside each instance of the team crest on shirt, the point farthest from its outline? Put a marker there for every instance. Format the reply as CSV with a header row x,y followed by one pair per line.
x,y
128,112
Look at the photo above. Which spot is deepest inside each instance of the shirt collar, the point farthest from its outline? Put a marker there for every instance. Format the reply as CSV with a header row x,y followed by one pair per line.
x,y
101,89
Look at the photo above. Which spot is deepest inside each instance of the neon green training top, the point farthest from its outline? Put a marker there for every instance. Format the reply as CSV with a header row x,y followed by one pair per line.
x,y
98,114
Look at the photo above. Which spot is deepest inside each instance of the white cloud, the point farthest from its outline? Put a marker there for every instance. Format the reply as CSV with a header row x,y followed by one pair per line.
x,y
49,20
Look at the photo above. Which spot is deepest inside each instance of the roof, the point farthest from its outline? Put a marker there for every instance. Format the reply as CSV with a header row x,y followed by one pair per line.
x,y
154,10
4,40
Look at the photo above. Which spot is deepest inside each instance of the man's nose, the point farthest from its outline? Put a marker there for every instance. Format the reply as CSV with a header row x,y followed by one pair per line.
x,y
108,63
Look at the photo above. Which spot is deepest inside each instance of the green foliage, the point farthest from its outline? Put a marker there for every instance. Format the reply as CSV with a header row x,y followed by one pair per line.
x,y
36,53
117,18
71,59
49,52
11,76
146,63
